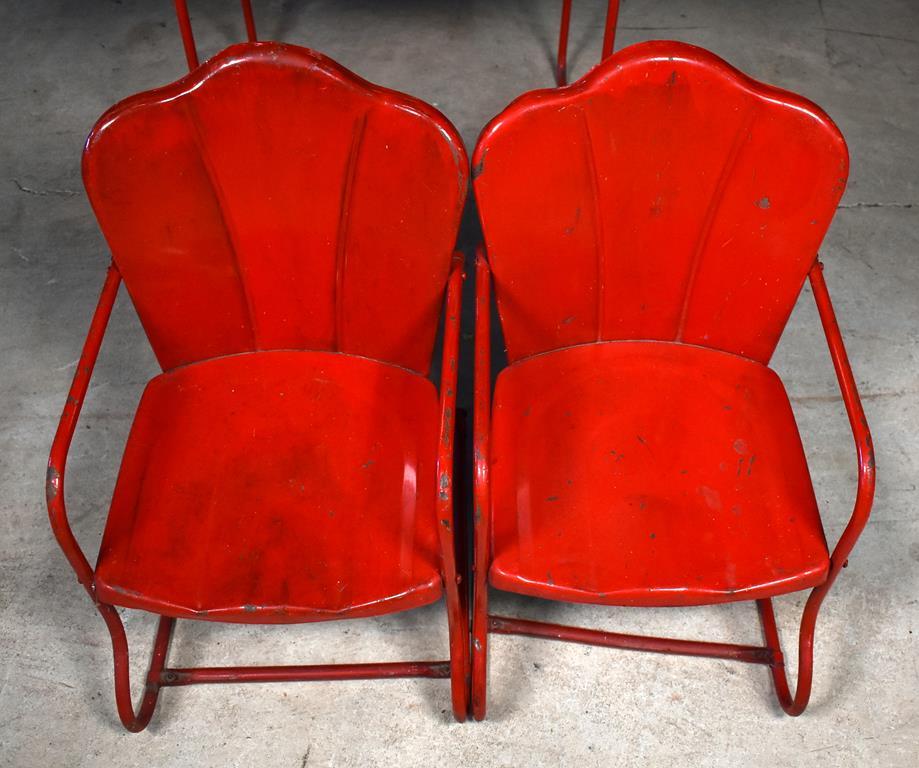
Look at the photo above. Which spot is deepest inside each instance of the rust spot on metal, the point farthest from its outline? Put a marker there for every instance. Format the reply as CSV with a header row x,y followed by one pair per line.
x,y
250,608
445,524
763,203
479,167
52,483
551,498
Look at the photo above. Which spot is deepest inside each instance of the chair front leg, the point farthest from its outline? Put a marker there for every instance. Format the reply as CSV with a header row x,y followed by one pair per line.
x,y
795,704
136,722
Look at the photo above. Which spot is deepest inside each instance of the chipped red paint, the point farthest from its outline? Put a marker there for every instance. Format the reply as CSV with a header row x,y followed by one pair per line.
x,y
285,231
649,229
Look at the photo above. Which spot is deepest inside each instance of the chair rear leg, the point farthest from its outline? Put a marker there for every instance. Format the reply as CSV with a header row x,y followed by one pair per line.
x,y
792,704
131,721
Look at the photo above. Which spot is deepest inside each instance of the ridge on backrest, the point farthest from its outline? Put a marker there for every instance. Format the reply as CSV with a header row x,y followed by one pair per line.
x,y
273,200
665,196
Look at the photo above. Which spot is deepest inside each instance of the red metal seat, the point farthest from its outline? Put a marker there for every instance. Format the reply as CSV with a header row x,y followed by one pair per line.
x,y
675,474
277,487
285,231
648,230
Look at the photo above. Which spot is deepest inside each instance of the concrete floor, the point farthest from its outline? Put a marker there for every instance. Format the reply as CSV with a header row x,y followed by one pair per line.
x,y
63,63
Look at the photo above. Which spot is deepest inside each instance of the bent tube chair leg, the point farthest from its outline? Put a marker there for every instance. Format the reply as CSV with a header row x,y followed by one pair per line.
x,y
159,675
770,654
609,37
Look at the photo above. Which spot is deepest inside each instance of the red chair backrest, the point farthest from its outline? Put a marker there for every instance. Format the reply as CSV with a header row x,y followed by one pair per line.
x,y
664,196
273,200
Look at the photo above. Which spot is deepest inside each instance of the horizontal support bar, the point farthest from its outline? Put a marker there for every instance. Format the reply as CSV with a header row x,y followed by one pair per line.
x,y
285,674
748,653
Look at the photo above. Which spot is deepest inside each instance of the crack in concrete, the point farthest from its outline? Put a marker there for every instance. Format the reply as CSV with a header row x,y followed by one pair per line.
x,y
876,205
44,192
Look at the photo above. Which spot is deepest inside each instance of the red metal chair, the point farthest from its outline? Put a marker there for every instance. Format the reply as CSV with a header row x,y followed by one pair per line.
x,y
648,231
285,231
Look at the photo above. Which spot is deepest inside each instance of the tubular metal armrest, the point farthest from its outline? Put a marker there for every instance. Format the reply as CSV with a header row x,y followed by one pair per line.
x,y
57,463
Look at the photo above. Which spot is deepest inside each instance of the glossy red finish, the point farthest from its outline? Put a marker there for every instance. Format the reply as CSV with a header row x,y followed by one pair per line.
x,y
609,37
649,229
238,225
674,476
293,462
677,200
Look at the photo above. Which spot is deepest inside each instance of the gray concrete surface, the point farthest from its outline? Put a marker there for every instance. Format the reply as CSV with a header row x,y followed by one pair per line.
x,y
63,63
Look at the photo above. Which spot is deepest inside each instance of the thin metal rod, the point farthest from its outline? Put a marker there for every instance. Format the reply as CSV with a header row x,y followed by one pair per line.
x,y
57,461
188,37
457,607
481,488
250,20
561,64
609,33
750,654
196,675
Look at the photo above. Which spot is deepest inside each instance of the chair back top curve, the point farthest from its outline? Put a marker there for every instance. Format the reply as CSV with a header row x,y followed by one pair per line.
x,y
664,196
272,199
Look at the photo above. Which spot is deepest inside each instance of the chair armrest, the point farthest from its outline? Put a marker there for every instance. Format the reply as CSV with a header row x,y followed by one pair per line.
x,y
482,420
448,378
57,463
863,445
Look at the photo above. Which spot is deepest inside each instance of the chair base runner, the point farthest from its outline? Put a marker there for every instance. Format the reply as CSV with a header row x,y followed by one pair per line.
x,y
296,673
160,676
746,653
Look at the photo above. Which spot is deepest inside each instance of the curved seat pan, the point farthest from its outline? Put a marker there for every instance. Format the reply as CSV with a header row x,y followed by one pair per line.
x,y
650,473
276,487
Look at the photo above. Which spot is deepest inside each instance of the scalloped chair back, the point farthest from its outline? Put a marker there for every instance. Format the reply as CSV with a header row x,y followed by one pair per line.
x,y
273,200
696,223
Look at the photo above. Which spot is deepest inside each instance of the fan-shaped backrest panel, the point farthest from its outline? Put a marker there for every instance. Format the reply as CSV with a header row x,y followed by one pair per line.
x,y
271,199
664,196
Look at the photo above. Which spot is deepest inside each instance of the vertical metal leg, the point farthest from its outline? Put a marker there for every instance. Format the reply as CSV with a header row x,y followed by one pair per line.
x,y
188,38
561,65
609,34
609,37
136,722
481,488
250,20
